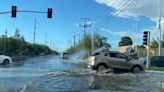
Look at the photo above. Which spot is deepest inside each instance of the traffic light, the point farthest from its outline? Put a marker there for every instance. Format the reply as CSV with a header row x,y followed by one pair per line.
x,y
49,13
14,12
145,37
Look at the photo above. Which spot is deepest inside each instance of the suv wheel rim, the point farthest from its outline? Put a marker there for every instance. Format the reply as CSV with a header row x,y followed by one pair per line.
x,y
136,69
101,68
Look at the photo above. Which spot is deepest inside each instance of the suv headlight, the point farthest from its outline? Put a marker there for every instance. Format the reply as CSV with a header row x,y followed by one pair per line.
x,y
92,60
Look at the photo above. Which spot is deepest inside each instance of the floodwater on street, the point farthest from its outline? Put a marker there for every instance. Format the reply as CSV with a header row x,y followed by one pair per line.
x,y
52,74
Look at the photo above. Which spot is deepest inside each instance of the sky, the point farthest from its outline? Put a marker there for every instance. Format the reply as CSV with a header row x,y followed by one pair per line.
x,y
110,18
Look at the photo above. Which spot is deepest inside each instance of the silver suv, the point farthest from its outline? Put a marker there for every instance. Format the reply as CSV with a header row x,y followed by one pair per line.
x,y
114,60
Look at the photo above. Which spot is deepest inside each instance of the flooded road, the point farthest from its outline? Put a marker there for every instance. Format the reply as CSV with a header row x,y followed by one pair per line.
x,y
51,74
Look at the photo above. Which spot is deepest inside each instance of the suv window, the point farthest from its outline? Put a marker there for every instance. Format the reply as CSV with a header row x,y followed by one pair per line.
x,y
118,55
106,54
95,54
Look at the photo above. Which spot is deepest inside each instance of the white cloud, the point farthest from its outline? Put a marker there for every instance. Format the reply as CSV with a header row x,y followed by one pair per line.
x,y
76,24
133,8
134,35
115,33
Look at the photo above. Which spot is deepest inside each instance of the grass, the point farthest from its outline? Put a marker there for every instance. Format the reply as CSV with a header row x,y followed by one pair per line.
x,y
156,68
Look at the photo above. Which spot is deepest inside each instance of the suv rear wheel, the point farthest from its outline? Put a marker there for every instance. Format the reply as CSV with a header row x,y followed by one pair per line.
x,y
6,61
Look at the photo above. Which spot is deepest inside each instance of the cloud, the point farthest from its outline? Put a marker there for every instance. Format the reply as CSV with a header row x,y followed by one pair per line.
x,y
134,34
115,33
76,24
134,8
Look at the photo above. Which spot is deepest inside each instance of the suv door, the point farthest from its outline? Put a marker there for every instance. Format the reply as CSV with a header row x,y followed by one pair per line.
x,y
108,60
120,60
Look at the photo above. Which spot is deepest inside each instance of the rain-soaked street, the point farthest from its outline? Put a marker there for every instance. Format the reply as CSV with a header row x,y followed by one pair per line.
x,y
51,74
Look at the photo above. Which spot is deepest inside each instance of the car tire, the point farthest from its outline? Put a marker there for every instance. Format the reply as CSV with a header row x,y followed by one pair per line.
x,y
6,62
101,68
136,69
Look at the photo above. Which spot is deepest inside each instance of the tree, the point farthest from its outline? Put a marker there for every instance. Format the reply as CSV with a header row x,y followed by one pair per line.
x,y
17,33
154,44
125,41
99,42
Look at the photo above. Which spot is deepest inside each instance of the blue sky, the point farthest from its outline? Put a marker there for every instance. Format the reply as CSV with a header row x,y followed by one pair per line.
x,y
129,20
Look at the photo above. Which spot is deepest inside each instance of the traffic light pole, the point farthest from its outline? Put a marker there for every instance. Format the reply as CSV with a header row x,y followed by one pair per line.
x,y
159,27
148,51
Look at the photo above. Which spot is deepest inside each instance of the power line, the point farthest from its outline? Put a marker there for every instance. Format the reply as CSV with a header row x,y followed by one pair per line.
x,y
104,18
137,2
124,6
106,11
120,7
121,14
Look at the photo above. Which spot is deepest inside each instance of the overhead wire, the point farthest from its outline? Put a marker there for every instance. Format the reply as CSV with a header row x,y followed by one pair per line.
x,y
106,11
108,18
137,3
120,8
102,16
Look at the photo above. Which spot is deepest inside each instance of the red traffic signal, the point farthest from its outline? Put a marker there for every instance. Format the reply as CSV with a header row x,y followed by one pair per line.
x,y
49,13
14,12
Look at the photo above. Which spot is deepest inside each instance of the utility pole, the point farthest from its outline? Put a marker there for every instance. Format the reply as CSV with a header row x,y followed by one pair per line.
x,y
79,39
34,37
92,40
34,32
70,43
85,26
74,40
159,26
77,35
5,37
45,39
50,43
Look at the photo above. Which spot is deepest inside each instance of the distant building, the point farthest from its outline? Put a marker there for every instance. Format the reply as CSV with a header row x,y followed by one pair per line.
x,y
127,49
130,50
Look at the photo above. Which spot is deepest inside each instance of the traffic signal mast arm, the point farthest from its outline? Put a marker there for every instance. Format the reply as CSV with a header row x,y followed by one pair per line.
x,y
14,12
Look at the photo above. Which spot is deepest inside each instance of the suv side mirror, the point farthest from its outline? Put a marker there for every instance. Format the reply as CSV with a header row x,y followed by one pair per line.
x,y
127,59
